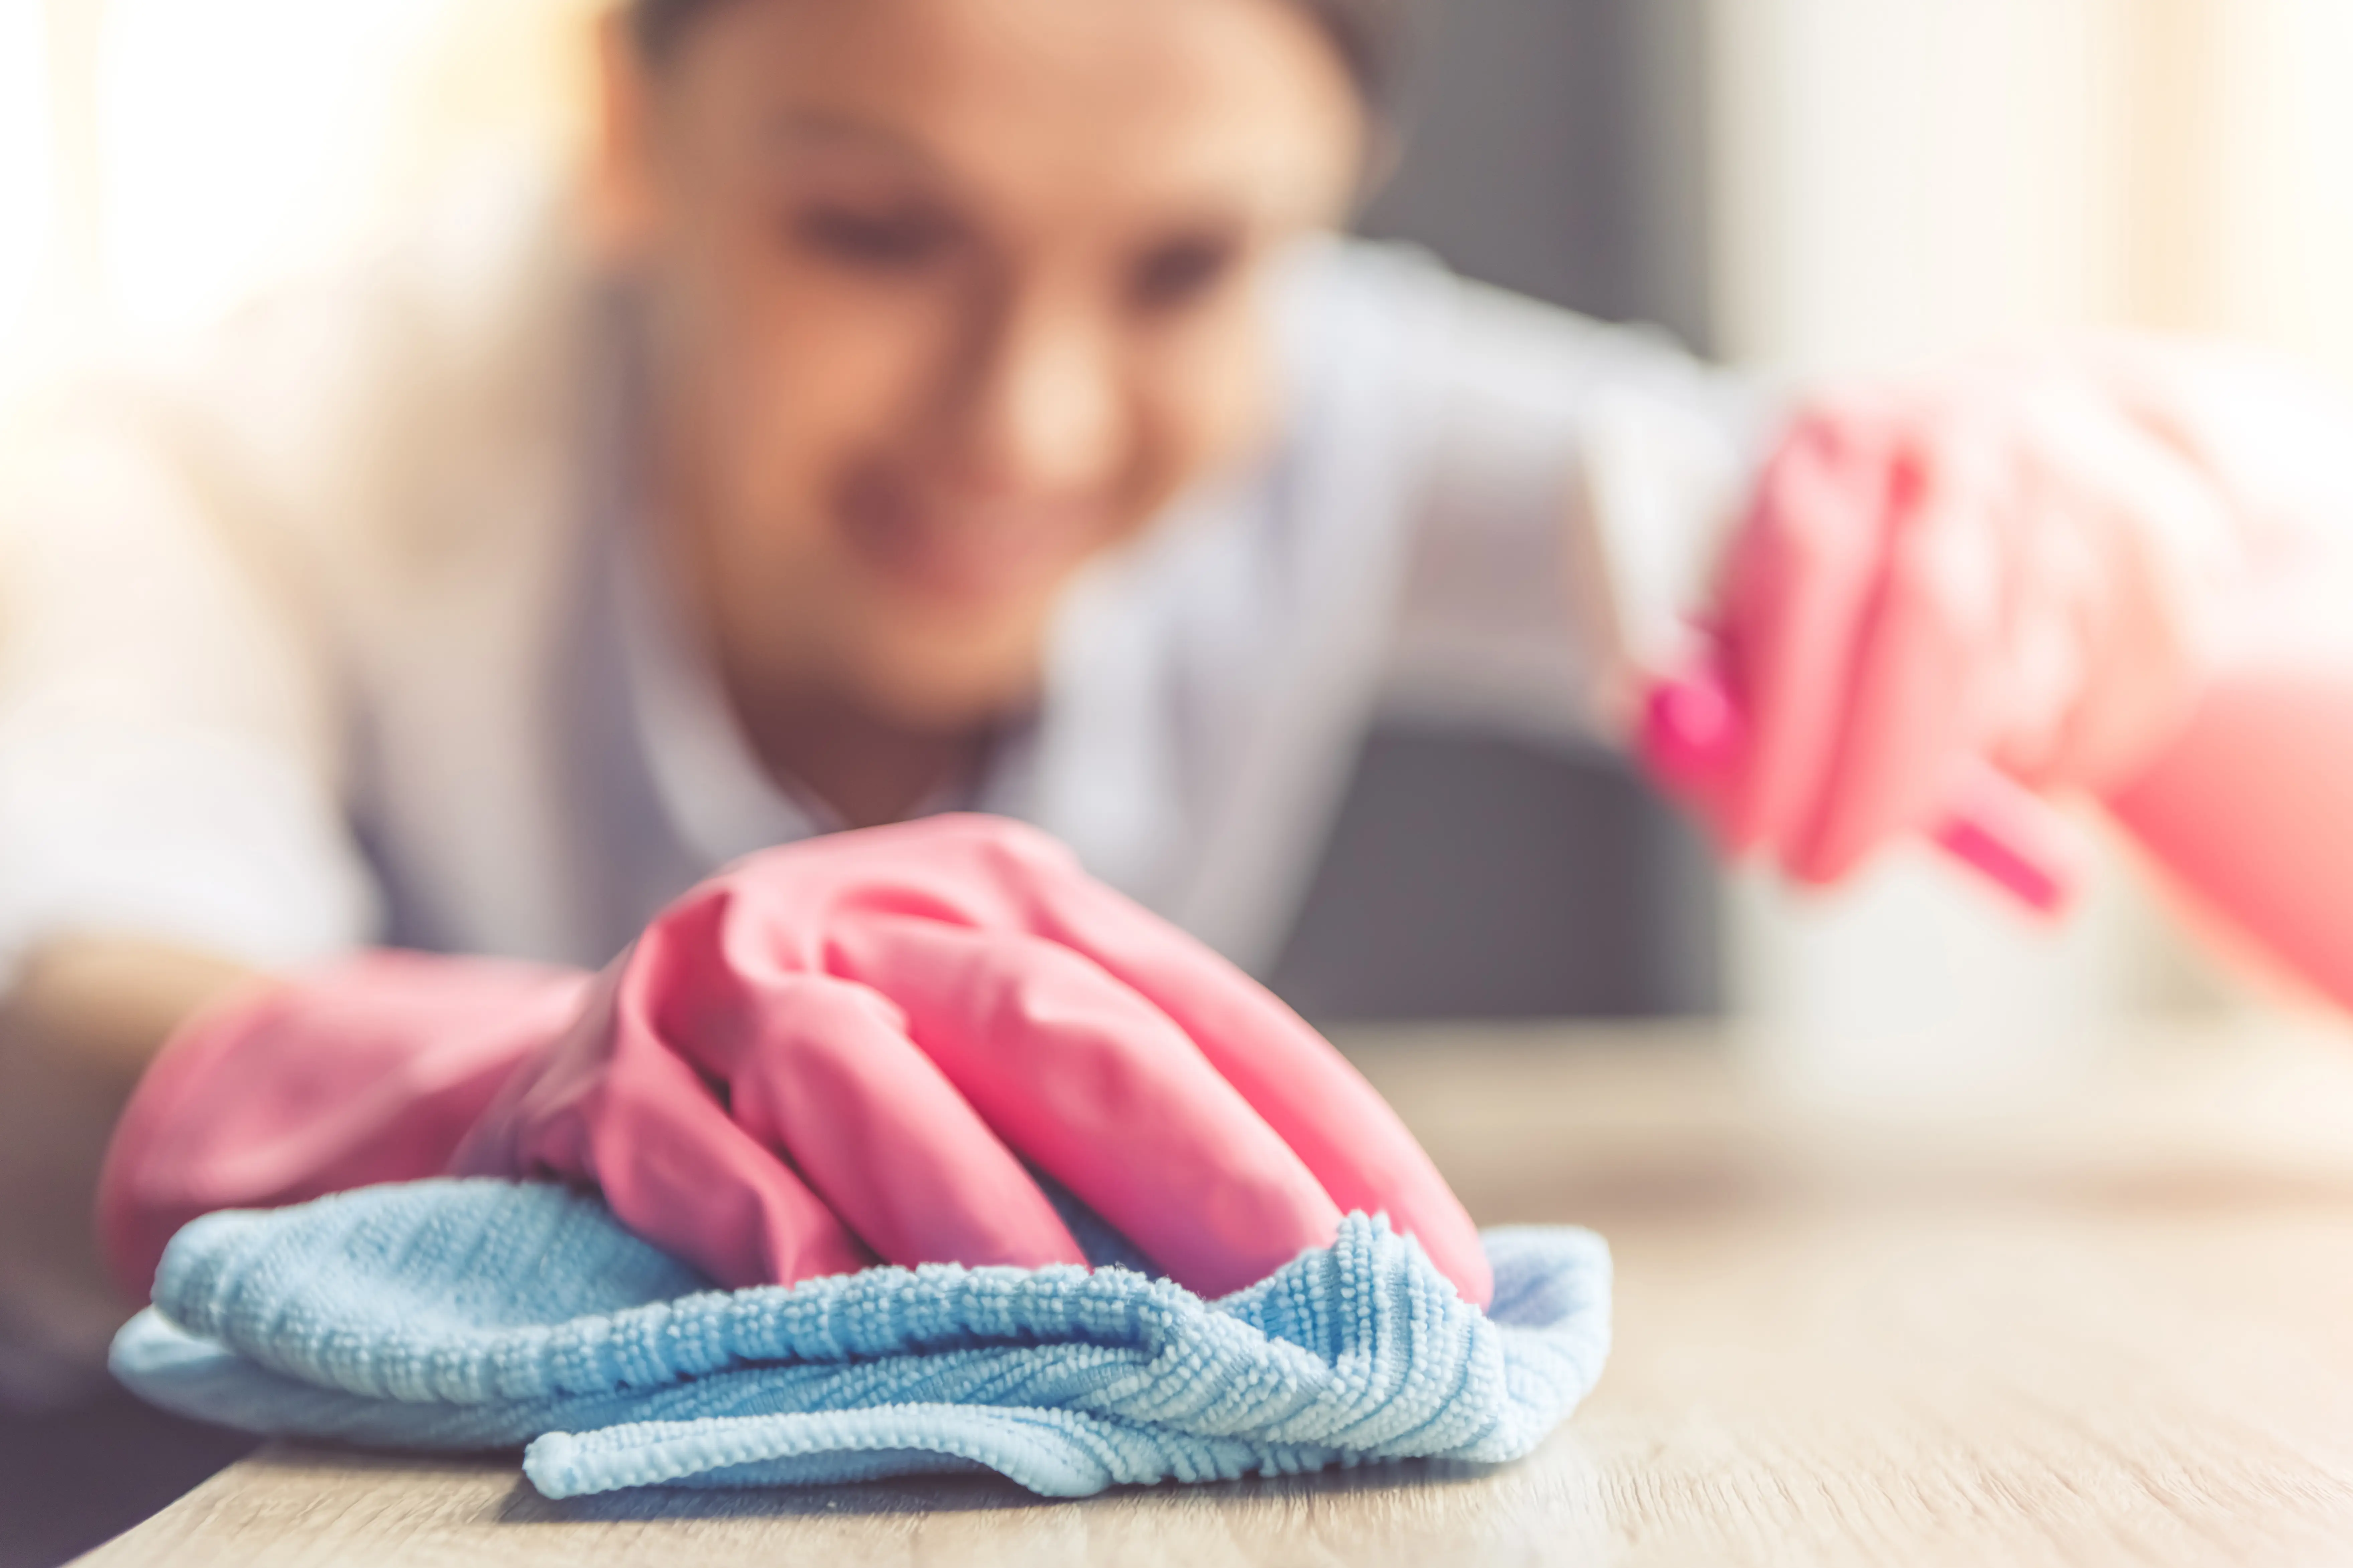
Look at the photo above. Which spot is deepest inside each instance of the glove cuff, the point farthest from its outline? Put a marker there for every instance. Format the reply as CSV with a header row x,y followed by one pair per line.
x,y
369,1069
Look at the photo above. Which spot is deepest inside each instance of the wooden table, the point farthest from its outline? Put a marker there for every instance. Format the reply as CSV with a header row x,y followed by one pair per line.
x,y
2114,1326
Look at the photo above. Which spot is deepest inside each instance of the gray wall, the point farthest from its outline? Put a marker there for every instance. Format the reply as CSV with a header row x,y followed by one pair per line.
x,y
1553,147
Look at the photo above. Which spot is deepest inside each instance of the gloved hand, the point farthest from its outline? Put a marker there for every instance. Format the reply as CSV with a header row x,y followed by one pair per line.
x,y
2021,567
837,1051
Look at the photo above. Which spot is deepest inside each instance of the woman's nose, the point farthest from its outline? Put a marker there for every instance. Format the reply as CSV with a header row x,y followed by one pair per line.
x,y
1044,412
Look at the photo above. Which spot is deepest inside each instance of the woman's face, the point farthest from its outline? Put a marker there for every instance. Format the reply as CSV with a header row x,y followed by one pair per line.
x,y
949,295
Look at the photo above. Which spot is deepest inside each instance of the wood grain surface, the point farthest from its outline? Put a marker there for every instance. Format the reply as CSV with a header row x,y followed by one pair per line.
x,y
2113,1326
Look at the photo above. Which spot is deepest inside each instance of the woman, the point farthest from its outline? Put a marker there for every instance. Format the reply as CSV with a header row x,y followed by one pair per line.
x,y
959,403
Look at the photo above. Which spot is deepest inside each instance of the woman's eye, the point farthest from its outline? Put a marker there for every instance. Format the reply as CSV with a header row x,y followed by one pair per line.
x,y
882,242
1179,273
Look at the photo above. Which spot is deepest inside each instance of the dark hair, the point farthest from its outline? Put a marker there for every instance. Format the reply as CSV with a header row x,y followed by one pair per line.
x,y
1366,32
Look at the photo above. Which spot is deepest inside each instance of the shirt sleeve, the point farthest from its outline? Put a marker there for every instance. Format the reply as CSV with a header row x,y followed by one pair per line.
x,y
1493,610
168,744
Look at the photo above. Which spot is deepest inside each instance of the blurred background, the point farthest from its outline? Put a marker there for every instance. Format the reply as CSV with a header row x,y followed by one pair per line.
x,y
1794,185
1800,185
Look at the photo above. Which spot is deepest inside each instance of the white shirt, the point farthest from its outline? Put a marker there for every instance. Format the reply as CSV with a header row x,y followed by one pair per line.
x,y
337,631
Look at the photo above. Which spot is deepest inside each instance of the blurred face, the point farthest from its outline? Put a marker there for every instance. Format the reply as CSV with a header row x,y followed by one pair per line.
x,y
949,295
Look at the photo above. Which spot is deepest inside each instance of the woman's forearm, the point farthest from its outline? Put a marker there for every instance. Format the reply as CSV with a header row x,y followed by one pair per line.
x,y
83,1020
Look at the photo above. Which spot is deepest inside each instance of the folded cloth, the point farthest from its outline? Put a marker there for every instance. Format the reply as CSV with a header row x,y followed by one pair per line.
x,y
483,1314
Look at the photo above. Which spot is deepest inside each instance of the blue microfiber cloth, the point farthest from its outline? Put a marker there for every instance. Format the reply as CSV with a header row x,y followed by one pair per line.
x,y
483,1314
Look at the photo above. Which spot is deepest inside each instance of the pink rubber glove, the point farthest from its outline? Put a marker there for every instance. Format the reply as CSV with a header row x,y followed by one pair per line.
x,y
2132,573
2014,569
2245,806
372,1069
2247,809
837,1051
